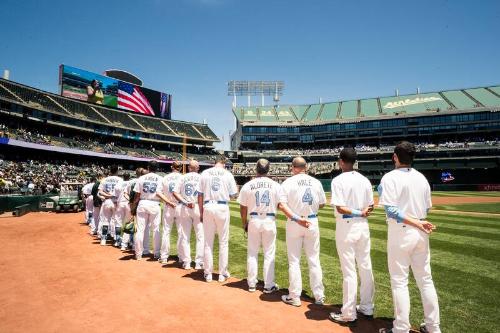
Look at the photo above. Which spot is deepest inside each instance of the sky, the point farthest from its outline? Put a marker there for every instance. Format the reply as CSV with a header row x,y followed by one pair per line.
x,y
333,50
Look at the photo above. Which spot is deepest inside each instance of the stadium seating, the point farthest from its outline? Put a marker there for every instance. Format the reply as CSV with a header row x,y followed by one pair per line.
x,y
413,103
330,111
484,96
349,110
182,128
370,108
459,99
153,125
284,113
267,114
312,112
206,131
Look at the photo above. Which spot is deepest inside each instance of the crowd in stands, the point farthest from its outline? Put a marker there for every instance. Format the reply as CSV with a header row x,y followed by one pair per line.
x,y
103,144
35,177
361,148
282,169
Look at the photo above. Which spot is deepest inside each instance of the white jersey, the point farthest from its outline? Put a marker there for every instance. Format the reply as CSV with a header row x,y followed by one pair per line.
x,y
148,185
351,189
87,189
170,182
407,189
217,184
121,190
303,194
108,185
261,195
188,187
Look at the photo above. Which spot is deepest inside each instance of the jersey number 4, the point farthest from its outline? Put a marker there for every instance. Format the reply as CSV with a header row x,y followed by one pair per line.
x,y
264,199
307,197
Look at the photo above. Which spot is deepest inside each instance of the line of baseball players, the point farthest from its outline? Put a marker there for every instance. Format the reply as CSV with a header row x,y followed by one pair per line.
x,y
201,202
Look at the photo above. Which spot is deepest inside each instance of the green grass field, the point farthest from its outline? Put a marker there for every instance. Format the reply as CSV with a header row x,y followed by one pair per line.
x,y
465,265
473,207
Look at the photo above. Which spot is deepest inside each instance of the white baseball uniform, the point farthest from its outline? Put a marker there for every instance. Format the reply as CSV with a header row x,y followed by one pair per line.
x,y
303,194
261,196
409,191
170,215
89,203
122,209
217,186
188,187
108,206
352,237
148,209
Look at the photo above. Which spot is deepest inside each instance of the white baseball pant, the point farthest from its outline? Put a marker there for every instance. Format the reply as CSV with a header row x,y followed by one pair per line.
x,y
94,224
106,215
148,213
352,237
296,238
216,220
89,209
261,230
122,214
170,215
189,218
408,247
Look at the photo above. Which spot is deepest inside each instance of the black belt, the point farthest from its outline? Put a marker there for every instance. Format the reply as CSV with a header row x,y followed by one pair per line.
x,y
267,214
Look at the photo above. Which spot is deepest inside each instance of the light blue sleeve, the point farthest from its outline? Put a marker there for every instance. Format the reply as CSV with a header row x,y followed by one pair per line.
x,y
393,212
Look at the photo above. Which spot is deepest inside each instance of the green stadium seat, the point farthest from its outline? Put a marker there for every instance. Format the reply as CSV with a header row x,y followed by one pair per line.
x,y
249,114
413,103
484,96
349,110
369,108
329,111
312,112
299,111
459,99
495,89
285,113
267,114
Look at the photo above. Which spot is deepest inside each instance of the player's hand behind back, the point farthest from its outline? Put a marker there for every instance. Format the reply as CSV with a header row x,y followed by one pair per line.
x,y
427,227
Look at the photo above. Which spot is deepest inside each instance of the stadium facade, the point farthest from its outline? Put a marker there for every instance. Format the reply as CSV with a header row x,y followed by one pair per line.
x,y
457,131
134,138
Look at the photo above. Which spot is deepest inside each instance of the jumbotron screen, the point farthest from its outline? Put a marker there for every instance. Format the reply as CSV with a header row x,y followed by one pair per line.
x,y
99,89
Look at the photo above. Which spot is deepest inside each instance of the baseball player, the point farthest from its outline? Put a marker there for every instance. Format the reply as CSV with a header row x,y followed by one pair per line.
x,y
217,187
148,192
352,200
259,199
301,198
171,214
97,202
186,193
107,191
87,198
122,210
406,196
128,239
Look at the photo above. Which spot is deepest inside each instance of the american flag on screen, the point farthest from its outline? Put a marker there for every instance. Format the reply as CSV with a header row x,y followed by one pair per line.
x,y
131,98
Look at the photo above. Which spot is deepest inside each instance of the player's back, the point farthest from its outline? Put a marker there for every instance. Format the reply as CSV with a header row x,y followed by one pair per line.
x,y
303,194
120,190
217,184
407,189
351,189
189,186
170,181
148,185
87,188
261,195
109,183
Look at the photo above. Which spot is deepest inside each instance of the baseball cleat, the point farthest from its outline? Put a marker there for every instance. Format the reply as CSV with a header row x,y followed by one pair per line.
x,y
252,289
272,289
208,277
186,265
123,248
103,241
223,277
362,314
292,301
163,261
339,319
320,301
138,258
423,328
198,266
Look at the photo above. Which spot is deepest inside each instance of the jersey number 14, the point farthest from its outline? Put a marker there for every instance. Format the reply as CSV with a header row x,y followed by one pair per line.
x,y
264,199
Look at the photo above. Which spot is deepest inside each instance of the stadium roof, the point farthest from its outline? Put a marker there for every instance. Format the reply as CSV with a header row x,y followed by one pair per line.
x,y
361,109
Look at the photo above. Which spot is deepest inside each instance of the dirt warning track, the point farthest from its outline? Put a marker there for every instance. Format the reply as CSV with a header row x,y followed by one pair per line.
x,y
56,278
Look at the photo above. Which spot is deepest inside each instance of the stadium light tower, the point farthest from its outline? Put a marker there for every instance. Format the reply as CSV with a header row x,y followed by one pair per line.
x,y
255,88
